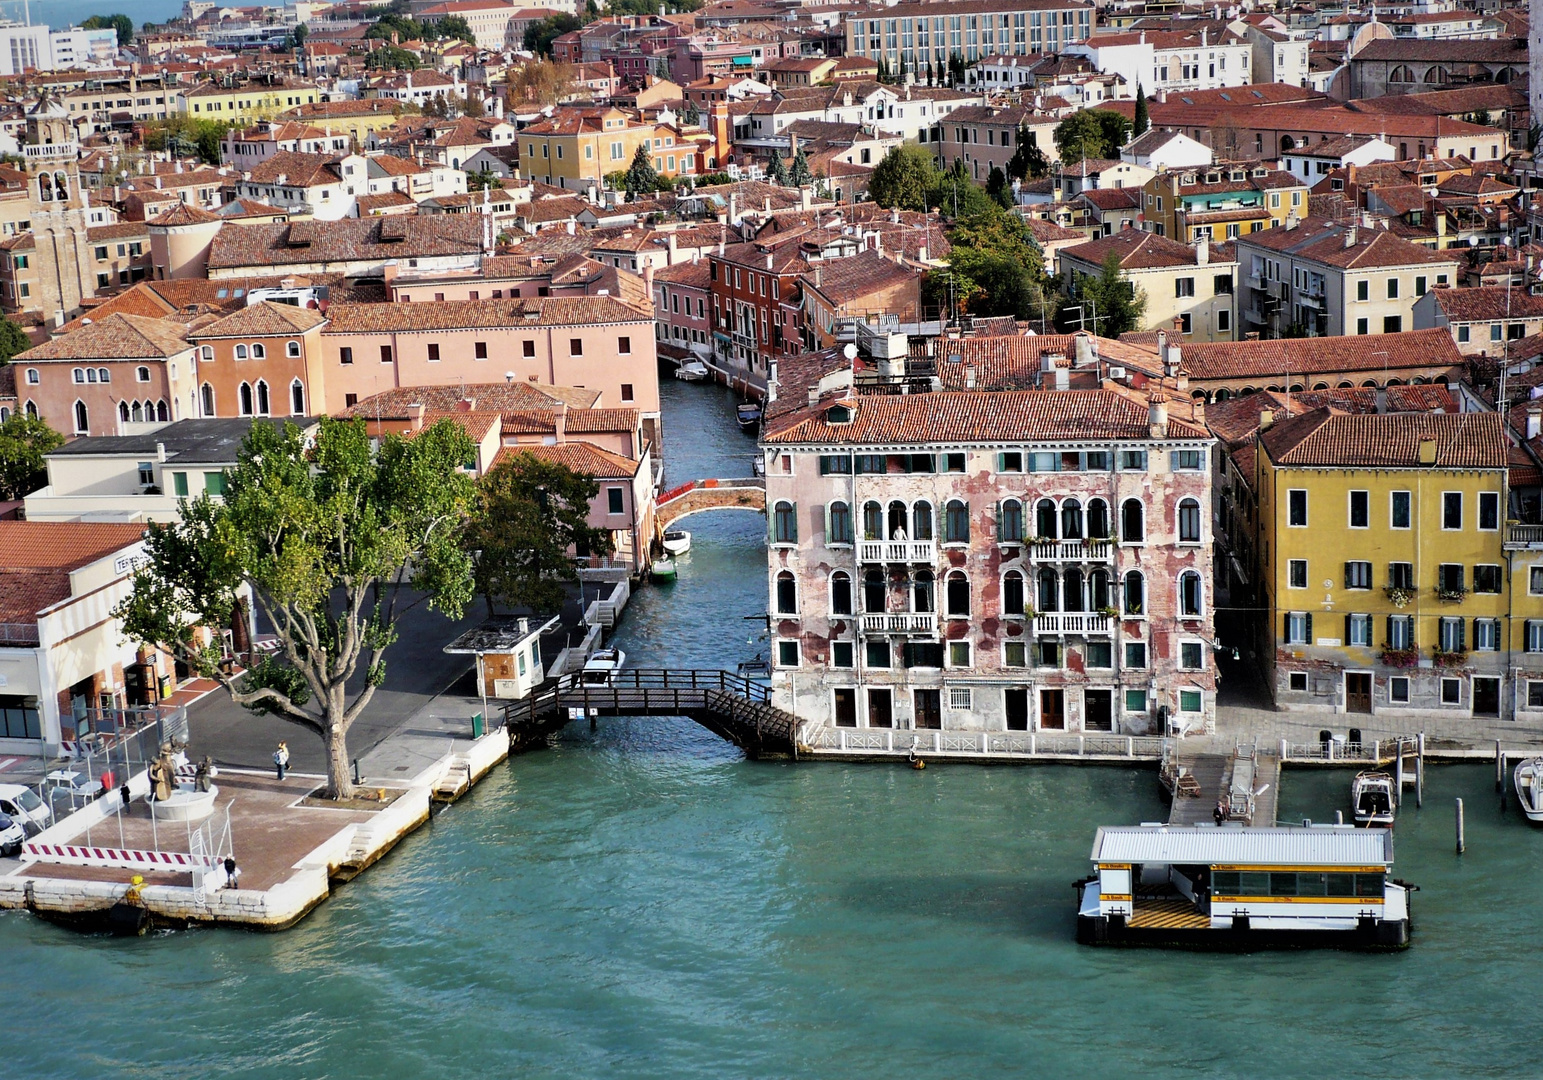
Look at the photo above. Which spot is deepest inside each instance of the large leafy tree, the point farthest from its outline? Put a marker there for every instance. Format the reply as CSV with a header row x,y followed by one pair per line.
x,y
1028,161
540,35
13,340
325,537
1091,133
642,178
1109,304
389,56
121,23
544,82
800,174
531,516
998,188
904,178
23,442
776,171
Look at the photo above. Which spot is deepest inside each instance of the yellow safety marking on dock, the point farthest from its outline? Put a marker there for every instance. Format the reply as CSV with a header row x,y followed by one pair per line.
x,y
1365,901
1168,915
1321,868
1114,896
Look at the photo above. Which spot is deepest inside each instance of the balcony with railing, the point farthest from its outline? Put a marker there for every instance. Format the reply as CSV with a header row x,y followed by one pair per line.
x,y
1519,536
900,622
898,551
1074,622
64,151
18,634
1082,551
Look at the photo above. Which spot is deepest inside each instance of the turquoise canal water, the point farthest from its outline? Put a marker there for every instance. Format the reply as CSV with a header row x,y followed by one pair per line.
x,y
641,902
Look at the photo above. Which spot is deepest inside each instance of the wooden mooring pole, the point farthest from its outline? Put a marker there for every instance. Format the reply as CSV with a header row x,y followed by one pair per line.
x,y
1499,769
1419,773
1462,843
1398,773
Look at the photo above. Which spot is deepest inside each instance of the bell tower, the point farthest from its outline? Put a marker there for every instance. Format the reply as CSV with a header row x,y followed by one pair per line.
x,y
59,210
52,154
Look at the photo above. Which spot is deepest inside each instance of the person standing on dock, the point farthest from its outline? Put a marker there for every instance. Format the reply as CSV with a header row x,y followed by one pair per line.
x,y
281,759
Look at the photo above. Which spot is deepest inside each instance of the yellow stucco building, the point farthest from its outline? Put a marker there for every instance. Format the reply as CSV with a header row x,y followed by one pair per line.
x,y
575,149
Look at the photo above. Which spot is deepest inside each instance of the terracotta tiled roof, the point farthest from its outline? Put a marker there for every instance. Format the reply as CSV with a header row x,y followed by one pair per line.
x,y
116,337
1324,242
600,421
475,422
1011,362
61,545
688,275
25,593
1432,348
469,314
584,458
842,281
1488,303
949,417
1390,440
351,239
1136,250
295,169
264,319
1238,418
505,397
184,214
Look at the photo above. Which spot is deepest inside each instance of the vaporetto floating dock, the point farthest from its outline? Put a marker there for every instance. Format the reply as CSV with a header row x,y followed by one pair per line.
x,y
1230,887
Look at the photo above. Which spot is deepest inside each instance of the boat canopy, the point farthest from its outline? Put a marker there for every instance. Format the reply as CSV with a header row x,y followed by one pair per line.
x,y
1205,845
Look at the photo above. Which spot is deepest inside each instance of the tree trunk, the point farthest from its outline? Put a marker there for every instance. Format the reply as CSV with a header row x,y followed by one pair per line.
x,y
340,782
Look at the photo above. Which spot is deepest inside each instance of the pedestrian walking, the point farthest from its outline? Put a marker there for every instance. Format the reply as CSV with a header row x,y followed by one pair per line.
x,y
281,759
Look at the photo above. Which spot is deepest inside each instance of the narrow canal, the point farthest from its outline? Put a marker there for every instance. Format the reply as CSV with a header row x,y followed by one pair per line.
x,y
641,902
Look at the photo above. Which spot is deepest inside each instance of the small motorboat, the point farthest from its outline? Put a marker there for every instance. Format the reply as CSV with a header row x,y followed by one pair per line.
x,y
749,415
662,569
601,668
1528,778
676,541
691,371
1372,797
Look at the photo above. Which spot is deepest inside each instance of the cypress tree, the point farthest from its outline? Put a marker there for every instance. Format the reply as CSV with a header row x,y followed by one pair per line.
x,y
1143,122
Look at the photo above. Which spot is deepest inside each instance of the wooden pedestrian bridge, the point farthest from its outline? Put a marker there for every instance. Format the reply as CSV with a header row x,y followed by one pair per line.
x,y
729,705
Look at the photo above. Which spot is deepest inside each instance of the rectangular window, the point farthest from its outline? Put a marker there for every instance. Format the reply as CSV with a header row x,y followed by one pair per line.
x,y
1486,578
835,464
385,354
433,352
214,483
1189,460
1360,510
841,654
1297,681
1191,701
1535,580
1535,695
1047,653
1358,631
1184,286
953,463
1398,690
876,654
1401,631
1449,578
958,654
1299,628
1451,634
1400,510
1451,691
623,346
1419,285
1136,701
1136,655
1452,510
1486,635
575,346
614,500
626,392
1358,575
480,350
787,654
1392,324
1363,290
527,349
1489,510
1015,655
1296,574
1098,654
1191,655
1400,575
1010,461
960,697
345,355
179,484
1134,460
1362,326
1296,508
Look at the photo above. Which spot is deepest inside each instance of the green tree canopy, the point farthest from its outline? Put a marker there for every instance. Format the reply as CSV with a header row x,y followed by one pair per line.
x,y
183,134
1028,161
13,340
800,174
326,538
389,56
540,35
1143,122
776,171
1091,133
998,188
1109,304
24,440
451,28
531,516
904,178
642,178
121,23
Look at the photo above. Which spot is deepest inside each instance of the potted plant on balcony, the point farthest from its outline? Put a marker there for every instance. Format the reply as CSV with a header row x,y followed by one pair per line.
x,y
1399,658
1451,596
1399,596
1109,612
1455,659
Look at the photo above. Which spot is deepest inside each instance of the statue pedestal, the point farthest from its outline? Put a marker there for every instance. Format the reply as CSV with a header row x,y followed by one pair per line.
x,y
185,804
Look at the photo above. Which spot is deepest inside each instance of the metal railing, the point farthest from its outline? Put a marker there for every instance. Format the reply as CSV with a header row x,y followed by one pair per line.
x,y
18,633
1099,551
898,551
1025,744
1073,623
900,622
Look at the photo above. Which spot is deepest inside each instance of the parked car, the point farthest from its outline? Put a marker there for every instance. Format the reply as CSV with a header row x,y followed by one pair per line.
x,y
12,835
23,805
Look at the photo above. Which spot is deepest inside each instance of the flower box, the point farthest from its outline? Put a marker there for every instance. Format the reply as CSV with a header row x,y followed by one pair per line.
x,y
1399,658
1399,596
1449,659
1451,596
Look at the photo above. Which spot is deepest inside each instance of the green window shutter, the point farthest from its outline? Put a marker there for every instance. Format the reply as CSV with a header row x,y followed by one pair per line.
x,y
1309,628
1347,630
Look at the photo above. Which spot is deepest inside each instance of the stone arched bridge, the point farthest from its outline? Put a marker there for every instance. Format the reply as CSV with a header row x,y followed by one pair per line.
x,y
700,495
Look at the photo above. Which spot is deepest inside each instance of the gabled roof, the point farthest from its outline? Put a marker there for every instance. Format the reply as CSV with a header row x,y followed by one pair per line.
x,y
488,314
1274,359
1388,440
262,319
584,458
1324,241
1136,249
61,545
351,239
116,337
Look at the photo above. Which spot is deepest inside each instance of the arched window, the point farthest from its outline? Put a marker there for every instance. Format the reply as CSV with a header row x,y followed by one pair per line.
x,y
262,398
79,375
137,413
82,419
874,591
123,412
1049,590
899,519
297,408
956,527
1436,75
32,409
958,595
1071,590
259,353
1189,521
1044,519
33,378
1190,599
1135,593
1010,522
921,521
142,374
1012,593
240,352
160,410
292,350
787,594
1224,394
873,521
1320,386
103,375
61,187
840,531
208,396
922,586
207,352
840,593
1098,589
784,524
1132,522
1287,143
244,399
1401,74
1347,385
1071,520
1098,519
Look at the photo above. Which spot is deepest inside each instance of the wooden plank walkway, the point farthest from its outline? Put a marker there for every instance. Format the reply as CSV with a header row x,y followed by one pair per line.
x,y
1212,771
1266,791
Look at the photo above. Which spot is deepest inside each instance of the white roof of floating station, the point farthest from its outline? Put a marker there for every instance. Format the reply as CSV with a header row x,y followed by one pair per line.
x,y
1332,845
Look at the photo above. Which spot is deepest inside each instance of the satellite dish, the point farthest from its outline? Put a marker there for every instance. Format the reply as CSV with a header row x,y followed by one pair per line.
x,y
849,351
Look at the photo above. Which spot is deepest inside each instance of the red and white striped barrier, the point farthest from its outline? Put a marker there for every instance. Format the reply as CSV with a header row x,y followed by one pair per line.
x,y
126,858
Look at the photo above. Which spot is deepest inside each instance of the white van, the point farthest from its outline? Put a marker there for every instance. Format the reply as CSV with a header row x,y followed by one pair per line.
x,y
23,806
12,836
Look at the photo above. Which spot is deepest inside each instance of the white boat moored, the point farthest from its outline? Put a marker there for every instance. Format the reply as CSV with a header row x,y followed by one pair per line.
x,y
601,668
691,371
676,541
1528,778
1373,798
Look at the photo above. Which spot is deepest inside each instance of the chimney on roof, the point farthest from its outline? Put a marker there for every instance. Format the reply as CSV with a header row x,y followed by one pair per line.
x,y
1427,449
1266,418
1381,398
1350,236
1157,416
1063,372
969,377
1203,250
1082,349
814,395
560,423
1534,422
160,451
415,416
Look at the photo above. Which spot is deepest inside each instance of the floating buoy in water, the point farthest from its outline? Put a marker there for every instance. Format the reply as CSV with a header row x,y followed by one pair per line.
x,y
918,763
